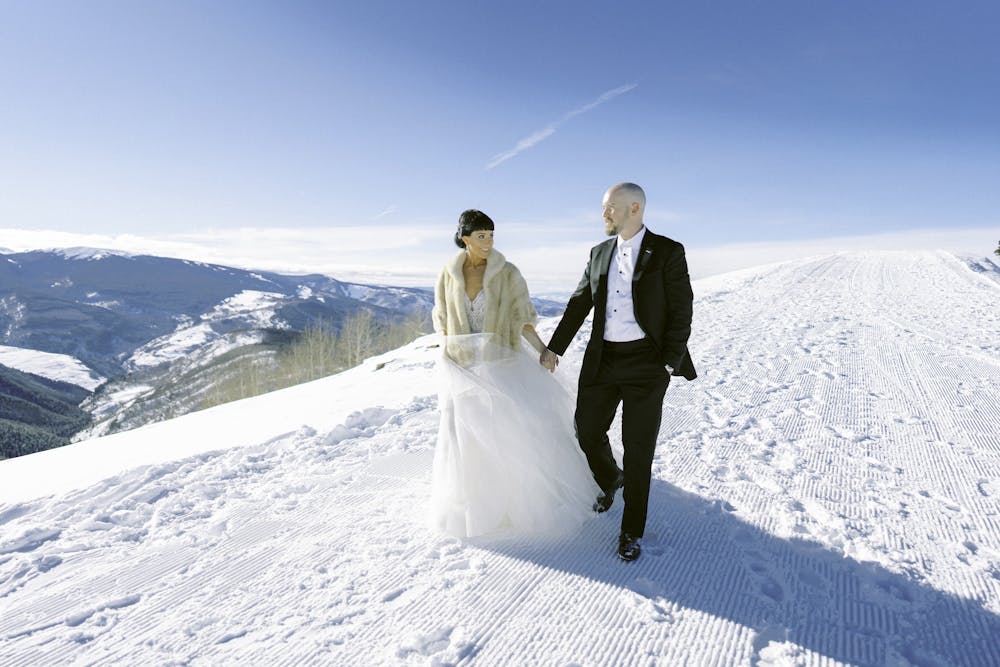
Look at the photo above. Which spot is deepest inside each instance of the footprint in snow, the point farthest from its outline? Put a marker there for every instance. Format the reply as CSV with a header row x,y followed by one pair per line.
x,y
648,596
945,502
459,564
771,588
47,563
79,618
812,579
449,549
14,512
723,506
842,432
445,645
393,595
909,421
988,487
766,583
766,453
30,540
893,589
651,545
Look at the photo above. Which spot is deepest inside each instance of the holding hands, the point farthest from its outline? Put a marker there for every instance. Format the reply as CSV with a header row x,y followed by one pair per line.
x,y
549,359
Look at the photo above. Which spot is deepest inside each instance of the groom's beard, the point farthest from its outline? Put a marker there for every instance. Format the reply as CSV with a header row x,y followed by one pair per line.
x,y
610,227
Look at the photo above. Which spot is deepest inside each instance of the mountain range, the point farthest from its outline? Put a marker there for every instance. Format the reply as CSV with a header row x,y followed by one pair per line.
x,y
101,307
164,331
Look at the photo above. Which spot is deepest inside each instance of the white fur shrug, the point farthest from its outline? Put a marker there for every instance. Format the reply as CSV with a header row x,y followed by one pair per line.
x,y
508,305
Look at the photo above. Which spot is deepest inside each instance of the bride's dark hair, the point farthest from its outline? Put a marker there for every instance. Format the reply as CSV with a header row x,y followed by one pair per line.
x,y
471,221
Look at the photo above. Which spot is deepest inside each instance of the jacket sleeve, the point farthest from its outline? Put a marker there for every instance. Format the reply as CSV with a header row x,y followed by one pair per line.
x,y
523,309
577,309
439,314
677,287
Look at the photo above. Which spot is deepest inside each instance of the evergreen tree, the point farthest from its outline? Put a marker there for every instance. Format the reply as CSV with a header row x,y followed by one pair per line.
x,y
20,439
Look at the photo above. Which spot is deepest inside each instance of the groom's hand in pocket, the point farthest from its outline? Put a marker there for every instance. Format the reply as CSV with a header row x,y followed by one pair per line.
x,y
549,359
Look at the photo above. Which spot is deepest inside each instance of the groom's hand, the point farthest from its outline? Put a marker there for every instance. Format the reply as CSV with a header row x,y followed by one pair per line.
x,y
549,359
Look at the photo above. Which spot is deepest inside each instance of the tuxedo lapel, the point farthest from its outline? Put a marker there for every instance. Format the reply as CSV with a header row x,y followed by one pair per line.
x,y
602,264
645,254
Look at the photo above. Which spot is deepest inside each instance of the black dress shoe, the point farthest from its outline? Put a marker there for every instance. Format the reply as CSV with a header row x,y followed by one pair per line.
x,y
604,499
628,547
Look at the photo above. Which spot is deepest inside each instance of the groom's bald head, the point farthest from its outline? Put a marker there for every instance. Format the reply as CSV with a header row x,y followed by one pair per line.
x,y
632,194
623,208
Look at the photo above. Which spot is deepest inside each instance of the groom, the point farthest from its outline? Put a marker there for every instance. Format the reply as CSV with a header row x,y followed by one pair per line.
x,y
638,285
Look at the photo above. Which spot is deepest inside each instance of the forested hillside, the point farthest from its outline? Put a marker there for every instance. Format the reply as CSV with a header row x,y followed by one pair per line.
x,y
37,413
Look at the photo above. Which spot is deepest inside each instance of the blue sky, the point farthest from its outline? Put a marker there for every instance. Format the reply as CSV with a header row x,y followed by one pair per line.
x,y
745,122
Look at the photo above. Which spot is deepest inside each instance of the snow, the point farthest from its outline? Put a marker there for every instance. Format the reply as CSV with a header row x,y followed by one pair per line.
x,y
52,366
172,346
262,278
987,267
827,492
254,310
255,305
89,254
107,305
110,402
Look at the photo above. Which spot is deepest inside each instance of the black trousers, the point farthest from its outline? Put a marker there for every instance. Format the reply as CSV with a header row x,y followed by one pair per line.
x,y
630,374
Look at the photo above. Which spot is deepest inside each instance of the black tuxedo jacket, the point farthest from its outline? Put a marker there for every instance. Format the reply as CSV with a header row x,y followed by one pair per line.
x,y
661,299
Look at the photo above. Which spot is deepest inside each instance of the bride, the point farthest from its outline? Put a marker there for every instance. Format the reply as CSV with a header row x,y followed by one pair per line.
x,y
506,457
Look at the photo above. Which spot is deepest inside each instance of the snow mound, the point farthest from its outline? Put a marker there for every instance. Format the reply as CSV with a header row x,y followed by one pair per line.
x,y
987,267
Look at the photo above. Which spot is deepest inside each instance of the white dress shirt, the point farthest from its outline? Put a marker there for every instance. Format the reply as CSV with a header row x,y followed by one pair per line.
x,y
619,323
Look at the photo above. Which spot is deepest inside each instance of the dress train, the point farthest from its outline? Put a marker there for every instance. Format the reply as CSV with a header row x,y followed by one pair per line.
x,y
506,459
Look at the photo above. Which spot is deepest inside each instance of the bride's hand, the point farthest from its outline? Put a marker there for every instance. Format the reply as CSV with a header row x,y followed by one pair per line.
x,y
549,359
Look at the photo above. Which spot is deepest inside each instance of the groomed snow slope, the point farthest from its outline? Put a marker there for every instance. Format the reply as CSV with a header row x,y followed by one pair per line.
x,y
59,367
827,492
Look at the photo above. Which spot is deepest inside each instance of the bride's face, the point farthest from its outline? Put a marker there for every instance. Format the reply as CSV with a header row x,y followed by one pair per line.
x,y
479,244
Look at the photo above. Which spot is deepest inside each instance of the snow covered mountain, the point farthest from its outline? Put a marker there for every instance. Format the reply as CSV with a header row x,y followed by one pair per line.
x,y
167,331
826,493
164,331
104,307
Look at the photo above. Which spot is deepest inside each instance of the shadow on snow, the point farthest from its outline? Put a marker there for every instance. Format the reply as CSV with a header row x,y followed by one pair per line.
x,y
699,555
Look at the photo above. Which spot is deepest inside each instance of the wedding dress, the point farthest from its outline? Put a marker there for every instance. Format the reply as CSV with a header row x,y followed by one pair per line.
x,y
506,459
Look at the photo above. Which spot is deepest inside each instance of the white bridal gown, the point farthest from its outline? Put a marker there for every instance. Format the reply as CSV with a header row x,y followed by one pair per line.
x,y
506,458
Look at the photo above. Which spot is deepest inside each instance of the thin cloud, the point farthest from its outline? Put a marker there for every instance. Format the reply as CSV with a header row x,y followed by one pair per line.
x,y
522,145
546,132
388,211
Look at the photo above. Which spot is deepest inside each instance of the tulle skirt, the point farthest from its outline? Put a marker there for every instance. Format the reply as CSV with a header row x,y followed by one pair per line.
x,y
506,458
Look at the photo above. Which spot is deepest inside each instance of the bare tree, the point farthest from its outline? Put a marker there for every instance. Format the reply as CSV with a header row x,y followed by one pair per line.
x,y
357,338
318,352
313,356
